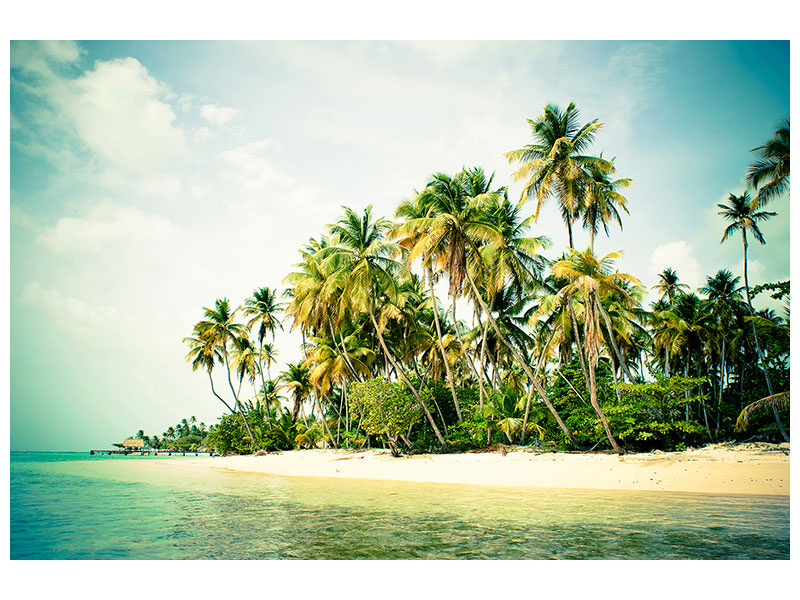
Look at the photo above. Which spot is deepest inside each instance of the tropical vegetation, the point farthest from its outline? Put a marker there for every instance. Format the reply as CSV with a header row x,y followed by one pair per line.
x,y
451,326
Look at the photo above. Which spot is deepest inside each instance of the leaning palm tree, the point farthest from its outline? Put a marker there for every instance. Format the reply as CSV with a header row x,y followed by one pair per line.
x,y
743,215
774,402
769,175
555,163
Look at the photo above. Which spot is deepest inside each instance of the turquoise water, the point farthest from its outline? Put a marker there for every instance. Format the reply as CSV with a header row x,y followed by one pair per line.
x,y
76,506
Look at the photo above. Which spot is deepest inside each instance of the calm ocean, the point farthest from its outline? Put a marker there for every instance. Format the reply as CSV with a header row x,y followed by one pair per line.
x,y
76,506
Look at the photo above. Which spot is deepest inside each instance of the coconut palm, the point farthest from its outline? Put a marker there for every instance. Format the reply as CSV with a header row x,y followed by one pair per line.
x,y
220,326
555,163
744,214
602,198
669,285
364,270
769,175
262,308
204,353
590,278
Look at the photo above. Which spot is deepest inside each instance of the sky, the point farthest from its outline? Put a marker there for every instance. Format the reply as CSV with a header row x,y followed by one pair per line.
x,y
150,178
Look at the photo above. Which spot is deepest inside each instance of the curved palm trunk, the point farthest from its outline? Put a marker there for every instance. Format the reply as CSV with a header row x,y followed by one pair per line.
x,y
400,372
577,333
542,393
599,411
213,391
441,344
760,354
236,397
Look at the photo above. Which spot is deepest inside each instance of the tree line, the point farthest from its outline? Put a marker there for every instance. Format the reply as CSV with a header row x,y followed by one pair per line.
x,y
555,350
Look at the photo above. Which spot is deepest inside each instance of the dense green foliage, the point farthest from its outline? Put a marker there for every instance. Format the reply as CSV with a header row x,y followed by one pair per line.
x,y
385,408
560,351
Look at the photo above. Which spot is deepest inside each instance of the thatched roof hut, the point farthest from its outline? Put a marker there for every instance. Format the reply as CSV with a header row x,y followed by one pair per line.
x,y
133,443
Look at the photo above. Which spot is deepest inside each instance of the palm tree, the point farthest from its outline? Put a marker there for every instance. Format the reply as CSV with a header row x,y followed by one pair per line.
x,y
296,378
219,325
590,278
724,295
418,213
365,270
555,163
204,353
744,214
669,285
263,308
602,198
771,170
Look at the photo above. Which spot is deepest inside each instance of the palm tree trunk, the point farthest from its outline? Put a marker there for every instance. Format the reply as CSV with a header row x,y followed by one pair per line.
x,y
400,372
441,343
577,334
325,422
539,364
238,404
611,338
721,384
599,411
213,391
525,367
760,354
465,358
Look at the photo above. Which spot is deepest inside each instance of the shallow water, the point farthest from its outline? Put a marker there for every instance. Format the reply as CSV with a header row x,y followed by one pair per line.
x,y
75,506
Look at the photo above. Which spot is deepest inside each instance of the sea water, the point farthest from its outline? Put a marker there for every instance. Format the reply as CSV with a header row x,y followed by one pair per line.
x,y
76,506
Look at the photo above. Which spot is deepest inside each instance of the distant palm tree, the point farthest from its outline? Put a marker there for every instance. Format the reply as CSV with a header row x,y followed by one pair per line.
x,y
744,214
219,325
555,163
771,170
669,284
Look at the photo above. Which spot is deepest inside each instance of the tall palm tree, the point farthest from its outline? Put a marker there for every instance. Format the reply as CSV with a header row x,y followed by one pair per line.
x,y
418,212
590,278
365,270
602,198
204,353
771,170
555,163
724,295
220,326
743,215
263,308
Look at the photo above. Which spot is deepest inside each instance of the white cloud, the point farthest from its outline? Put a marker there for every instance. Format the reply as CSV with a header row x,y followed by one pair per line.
x,y
678,256
104,225
217,115
118,111
40,56
250,169
66,310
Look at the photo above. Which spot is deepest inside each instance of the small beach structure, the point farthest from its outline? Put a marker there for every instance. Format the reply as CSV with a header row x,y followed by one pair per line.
x,y
134,444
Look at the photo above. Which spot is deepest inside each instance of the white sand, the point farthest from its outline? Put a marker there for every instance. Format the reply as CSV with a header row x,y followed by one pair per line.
x,y
717,469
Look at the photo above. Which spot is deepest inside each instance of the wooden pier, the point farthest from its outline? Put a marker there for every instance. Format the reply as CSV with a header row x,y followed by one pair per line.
x,y
126,452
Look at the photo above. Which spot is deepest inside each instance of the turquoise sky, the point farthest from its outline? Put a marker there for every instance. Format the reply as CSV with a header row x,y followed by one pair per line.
x,y
148,179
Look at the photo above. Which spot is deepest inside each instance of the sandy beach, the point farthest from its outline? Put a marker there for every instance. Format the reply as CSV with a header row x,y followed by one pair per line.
x,y
755,468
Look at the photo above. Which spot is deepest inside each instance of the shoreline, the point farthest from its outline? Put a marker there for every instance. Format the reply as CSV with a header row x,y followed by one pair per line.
x,y
751,469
